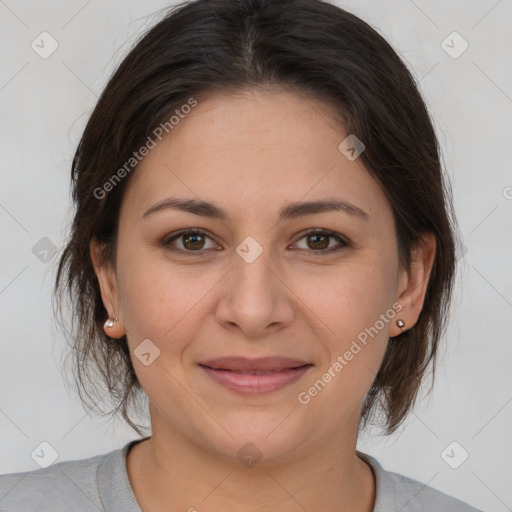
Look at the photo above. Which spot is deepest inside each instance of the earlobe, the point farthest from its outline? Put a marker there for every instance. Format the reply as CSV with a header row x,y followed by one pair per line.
x,y
414,283
105,274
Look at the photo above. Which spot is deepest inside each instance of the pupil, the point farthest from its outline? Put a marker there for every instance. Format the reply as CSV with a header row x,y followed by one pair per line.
x,y
195,239
315,237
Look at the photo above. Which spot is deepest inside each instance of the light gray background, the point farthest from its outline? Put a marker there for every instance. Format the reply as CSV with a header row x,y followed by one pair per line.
x,y
44,106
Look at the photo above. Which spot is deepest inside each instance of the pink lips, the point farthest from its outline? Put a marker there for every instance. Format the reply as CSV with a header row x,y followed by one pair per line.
x,y
249,376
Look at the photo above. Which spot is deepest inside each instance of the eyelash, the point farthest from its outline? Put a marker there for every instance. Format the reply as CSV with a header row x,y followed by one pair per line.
x,y
314,231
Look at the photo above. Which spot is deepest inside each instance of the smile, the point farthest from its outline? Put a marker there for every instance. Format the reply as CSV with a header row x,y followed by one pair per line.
x,y
258,376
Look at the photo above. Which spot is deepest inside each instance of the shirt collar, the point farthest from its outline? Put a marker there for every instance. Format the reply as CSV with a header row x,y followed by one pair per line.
x,y
385,498
114,485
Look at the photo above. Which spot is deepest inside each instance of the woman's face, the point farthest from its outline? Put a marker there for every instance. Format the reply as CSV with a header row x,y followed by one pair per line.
x,y
254,284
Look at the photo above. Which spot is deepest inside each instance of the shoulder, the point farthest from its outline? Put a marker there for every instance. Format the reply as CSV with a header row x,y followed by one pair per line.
x,y
64,486
398,492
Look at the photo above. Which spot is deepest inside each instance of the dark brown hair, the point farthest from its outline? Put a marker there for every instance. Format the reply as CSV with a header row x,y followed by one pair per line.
x,y
317,50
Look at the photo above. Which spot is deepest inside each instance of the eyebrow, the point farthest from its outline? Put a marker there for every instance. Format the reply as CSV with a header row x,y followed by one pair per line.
x,y
291,211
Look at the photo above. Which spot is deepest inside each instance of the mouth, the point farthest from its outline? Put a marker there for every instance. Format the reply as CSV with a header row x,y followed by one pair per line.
x,y
254,376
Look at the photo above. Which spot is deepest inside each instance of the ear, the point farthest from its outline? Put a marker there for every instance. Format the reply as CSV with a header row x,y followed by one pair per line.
x,y
106,275
413,283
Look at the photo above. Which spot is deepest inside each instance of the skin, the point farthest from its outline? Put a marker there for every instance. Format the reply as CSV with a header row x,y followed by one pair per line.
x,y
251,154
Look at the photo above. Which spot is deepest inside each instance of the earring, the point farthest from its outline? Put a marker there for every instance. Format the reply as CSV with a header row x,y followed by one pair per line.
x,y
400,324
110,323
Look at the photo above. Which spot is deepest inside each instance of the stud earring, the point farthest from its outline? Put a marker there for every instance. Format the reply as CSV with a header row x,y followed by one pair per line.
x,y
110,323
400,324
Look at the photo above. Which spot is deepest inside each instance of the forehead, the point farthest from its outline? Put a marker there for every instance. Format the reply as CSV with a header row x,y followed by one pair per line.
x,y
253,149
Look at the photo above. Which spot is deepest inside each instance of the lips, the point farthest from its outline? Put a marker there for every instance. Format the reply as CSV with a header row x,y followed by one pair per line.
x,y
254,376
262,365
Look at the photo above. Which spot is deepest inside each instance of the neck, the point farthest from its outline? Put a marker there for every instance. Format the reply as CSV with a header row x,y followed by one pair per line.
x,y
169,472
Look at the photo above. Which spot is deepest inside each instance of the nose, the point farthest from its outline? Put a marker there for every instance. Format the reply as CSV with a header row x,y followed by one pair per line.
x,y
256,298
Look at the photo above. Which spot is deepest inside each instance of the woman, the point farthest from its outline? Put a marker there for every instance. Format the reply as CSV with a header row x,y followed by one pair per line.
x,y
264,246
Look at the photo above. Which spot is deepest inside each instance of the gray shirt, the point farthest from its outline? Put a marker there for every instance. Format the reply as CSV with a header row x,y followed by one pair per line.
x,y
101,483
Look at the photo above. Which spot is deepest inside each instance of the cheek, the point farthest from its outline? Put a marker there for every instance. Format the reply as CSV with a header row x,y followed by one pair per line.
x,y
157,297
347,299
354,338
352,316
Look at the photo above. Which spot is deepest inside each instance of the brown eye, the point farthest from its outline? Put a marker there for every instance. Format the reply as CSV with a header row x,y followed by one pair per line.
x,y
188,241
193,241
319,241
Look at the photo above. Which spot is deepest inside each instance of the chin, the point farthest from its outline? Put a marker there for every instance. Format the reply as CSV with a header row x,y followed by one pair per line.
x,y
261,440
